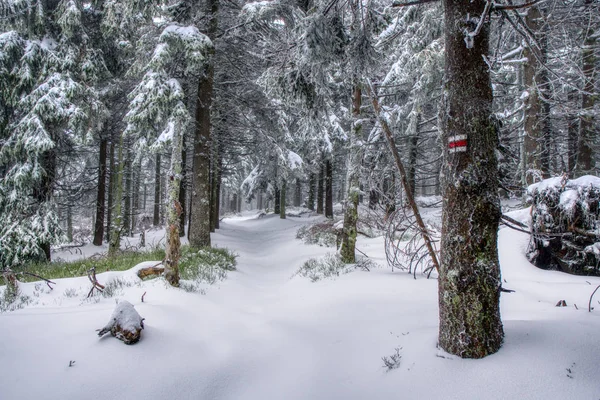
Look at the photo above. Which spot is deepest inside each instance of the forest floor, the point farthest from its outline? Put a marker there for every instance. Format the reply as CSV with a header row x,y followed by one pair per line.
x,y
266,333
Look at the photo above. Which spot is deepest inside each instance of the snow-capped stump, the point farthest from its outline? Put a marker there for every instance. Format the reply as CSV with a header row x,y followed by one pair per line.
x,y
565,225
125,323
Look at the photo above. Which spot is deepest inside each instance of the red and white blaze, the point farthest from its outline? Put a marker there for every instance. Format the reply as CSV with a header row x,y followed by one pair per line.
x,y
457,143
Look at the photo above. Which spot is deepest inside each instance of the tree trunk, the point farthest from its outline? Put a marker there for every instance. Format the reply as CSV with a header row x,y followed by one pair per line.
x,y
117,218
320,187
43,192
199,228
585,158
469,281
328,188
182,189
156,213
101,194
173,245
298,193
312,180
111,189
277,200
412,160
218,177
573,133
355,152
282,201
127,171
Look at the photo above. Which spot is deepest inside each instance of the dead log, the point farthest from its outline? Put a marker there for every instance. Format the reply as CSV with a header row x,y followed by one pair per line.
x,y
150,271
125,323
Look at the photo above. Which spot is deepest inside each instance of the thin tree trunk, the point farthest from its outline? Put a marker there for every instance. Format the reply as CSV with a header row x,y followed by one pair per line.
x,y
111,189
182,189
573,134
298,193
117,218
43,192
127,171
328,188
282,201
156,213
218,177
412,160
320,188
101,194
469,277
312,180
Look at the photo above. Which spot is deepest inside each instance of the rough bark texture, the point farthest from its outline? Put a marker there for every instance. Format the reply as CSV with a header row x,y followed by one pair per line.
x,y
585,158
469,281
312,181
298,193
101,194
156,208
328,189
320,187
355,152
173,246
533,124
183,191
117,215
111,187
125,323
199,228
572,135
277,201
283,200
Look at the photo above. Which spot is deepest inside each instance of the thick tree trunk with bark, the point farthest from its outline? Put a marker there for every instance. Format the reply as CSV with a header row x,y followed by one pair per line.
x,y
200,208
469,281
277,201
585,158
355,152
173,245
101,194
532,141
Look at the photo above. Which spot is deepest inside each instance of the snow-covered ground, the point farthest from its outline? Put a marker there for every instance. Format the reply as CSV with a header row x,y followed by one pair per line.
x,y
265,334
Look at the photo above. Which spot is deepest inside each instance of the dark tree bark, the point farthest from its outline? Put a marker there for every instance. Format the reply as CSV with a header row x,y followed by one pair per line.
x,y
469,281
412,160
573,134
156,213
43,192
328,189
200,207
111,187
127,172
320,188
585,157
282,201
277,200
182,189
312,181
298,193
101,194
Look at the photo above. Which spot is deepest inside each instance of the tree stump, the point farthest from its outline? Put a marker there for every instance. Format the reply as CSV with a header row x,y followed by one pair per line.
x,y
565,225
125,323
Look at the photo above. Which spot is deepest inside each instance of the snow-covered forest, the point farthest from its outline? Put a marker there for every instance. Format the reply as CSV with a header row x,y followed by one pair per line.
x,y
306,199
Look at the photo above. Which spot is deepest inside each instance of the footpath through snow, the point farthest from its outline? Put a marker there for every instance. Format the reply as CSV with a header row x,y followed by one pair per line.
x,y
264,334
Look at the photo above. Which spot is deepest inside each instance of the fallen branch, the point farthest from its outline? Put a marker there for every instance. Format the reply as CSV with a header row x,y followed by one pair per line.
x,y
590,303
95,284
149,271
405,183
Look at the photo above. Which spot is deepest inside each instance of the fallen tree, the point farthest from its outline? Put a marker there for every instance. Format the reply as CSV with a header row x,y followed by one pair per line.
x,y
565,227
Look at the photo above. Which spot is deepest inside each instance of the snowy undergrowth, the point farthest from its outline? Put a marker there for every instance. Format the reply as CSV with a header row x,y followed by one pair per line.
x,y
204,267
322,234
331,266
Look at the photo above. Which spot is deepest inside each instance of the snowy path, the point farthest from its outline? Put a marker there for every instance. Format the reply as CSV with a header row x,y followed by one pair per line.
x,y
262,334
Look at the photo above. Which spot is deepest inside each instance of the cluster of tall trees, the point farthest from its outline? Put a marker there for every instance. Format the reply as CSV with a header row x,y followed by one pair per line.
x,y
133,114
